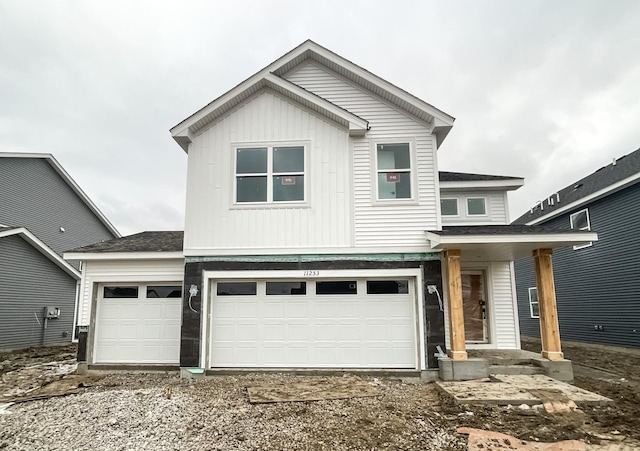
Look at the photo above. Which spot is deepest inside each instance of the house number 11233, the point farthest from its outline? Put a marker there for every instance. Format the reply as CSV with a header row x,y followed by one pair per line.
x,y
314,273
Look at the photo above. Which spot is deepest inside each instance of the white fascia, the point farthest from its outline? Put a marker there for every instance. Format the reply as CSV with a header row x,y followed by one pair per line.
x,y
624,183
43,249
86,256
439,241
508,184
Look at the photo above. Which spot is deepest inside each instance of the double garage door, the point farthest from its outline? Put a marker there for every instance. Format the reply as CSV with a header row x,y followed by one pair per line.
x,y
138,324
354,323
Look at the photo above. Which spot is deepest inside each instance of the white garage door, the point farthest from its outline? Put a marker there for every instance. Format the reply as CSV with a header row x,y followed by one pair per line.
x,y
307,324
138,324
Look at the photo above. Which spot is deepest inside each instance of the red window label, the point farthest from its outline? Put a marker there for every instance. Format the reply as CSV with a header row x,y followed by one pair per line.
x,y
288,180
393,177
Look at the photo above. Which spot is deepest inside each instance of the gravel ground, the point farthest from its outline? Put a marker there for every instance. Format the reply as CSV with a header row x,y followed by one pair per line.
x,y
132,411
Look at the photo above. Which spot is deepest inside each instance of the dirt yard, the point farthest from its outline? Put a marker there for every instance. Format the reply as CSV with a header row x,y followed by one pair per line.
x,y
161,411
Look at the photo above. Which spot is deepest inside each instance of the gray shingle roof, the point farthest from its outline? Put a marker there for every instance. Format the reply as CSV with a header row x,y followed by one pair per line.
x,y
506,229
467,177
140,242
624,167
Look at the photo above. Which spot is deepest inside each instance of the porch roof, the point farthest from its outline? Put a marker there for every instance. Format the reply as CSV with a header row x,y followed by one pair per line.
x,y
504,242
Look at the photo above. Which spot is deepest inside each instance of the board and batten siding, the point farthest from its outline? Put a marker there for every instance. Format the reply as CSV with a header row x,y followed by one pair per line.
x,y
503,330
597,285
496,205
124,272
214,223
33,195
29,282
380,225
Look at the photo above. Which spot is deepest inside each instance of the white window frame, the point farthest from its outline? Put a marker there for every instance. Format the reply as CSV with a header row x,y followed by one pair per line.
x,y
484,200
457,215
412,170
531,289
587,228
269,203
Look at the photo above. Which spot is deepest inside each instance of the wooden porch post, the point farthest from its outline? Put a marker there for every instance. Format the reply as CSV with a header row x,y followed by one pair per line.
x,y
456,314
549,327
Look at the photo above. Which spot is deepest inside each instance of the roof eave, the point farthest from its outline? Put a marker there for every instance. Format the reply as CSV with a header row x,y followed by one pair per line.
x,y
147,255
505,184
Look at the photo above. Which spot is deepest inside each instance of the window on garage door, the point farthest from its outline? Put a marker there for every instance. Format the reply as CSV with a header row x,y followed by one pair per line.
x,y
120,292
337,287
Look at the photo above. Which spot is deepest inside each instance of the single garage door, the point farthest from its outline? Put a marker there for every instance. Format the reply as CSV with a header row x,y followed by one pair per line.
x,y
138,324
313,324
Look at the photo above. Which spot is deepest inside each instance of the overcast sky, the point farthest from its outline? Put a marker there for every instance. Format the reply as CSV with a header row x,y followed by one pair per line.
x,y
546,90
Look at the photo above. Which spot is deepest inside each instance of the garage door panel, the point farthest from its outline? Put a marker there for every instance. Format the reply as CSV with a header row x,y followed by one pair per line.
x,y
329,330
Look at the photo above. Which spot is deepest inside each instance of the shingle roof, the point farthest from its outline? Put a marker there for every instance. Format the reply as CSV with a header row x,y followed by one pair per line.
x,y
624,167
506,229
165,241
467,177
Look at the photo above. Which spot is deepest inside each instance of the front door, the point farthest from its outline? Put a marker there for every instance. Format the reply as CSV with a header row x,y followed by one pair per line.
x,y
474,306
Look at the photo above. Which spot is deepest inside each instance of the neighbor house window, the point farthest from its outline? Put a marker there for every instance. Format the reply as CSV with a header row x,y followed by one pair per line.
x,y
393,171
270,174
580,221
449,207
476,206
534,306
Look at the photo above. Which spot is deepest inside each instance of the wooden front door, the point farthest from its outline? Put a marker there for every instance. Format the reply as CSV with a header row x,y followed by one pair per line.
x,y
474,306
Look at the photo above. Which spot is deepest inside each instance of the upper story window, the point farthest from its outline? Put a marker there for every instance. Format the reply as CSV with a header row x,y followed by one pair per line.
x,y
393,171
270,174
449,207
580,221
476,206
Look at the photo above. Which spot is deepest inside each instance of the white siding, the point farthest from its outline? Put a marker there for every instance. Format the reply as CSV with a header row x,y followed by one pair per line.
x,y
503,327
133,271
495,204
214,224
377,225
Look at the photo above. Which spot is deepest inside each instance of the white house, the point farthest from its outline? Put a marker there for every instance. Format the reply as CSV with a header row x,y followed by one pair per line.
x,y
319,233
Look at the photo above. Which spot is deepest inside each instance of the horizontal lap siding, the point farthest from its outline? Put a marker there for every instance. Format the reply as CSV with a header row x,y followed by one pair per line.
x,y
495,203
214,223
378,225
28,283
125,272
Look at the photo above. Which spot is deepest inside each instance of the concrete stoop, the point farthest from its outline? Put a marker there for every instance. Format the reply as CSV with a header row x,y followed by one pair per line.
x,y
492,366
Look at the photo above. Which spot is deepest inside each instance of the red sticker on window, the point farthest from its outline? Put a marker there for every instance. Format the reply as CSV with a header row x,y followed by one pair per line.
x,y
288,180
393,177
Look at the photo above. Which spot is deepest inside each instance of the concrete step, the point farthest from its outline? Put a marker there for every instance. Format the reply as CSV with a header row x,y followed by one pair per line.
x,y
528,369
509,360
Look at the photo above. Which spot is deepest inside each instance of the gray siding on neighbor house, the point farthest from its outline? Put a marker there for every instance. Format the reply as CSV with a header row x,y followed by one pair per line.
x,y
29,281
34,195
597,285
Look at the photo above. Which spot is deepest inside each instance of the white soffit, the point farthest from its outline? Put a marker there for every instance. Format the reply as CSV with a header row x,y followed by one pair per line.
x,y
123,256
483,185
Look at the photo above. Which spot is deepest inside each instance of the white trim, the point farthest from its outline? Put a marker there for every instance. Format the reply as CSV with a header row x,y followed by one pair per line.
x,y
413,171
438,240
43,249
514,295
414,273
484,204
249,251
587,199
72,184
457,215
531,303
586,212
509,184
85,256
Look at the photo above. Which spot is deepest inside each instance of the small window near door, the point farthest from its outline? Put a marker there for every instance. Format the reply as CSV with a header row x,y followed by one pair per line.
x,y
120,292
476,206
236,288
449,207
168,291
534,306
387,286
286,288
337,287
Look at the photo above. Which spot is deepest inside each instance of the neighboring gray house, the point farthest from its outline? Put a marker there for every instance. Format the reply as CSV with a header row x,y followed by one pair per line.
x,y
43,212
597,284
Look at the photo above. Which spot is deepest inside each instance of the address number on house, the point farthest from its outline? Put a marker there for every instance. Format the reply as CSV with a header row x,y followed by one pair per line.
x,y
314,273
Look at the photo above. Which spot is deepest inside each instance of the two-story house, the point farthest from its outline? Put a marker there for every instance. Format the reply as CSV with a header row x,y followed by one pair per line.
x,y
43,212
597,282
319,233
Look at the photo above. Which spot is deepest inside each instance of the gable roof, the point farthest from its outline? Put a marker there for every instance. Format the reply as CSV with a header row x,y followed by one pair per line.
x,y
619,174
271,76
69,181
45,250
463,180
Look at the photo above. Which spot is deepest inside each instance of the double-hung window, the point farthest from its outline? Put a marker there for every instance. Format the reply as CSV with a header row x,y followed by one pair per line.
x,y
270,174
393,171
580,221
